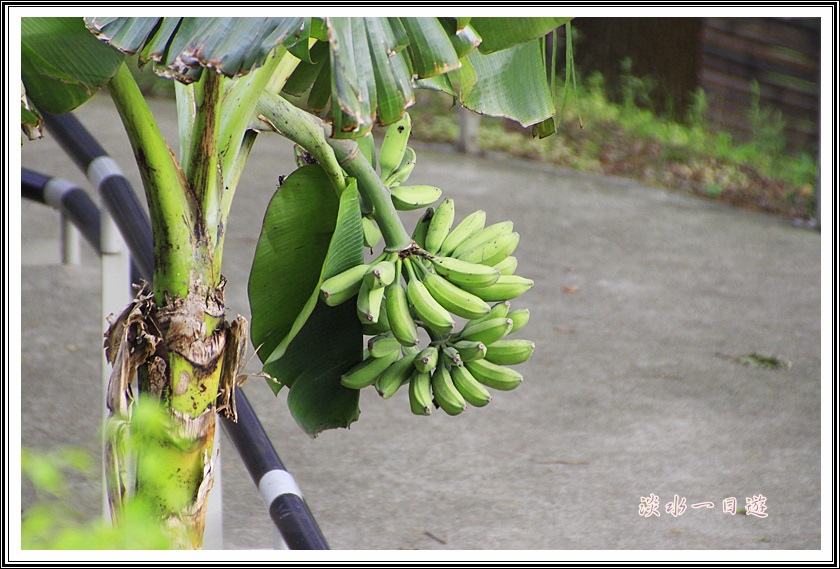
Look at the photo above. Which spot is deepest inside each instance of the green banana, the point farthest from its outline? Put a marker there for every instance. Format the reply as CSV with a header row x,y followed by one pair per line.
x,y
426,359
410,350
397,375
493,251
369,302
499,310
446,395
365,373
439,226
381,274
489,233
462,273
371,232
382,344
420,392
393,146
455,299
507,287
422,227
469,387
470,350
494,375
469,226
452,357
487,331
399,315
380,326
429,310
520,318
403,171
343,286
507,266
509,352
407,198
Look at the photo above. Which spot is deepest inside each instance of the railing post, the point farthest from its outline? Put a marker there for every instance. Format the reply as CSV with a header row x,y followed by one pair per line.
x,y
116,294
70,250
214,537
469,123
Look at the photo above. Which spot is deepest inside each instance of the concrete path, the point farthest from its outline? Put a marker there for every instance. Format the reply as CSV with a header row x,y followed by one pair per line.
x,y
644,302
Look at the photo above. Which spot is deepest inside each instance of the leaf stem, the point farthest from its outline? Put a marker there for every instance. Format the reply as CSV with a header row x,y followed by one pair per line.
x,y
304,129
173,210
375,194
336,156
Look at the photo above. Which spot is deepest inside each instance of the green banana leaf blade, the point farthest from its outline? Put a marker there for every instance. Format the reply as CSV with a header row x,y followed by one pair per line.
x,y
502,33
328,345
369,72
62,64
510,83
308,235
182,47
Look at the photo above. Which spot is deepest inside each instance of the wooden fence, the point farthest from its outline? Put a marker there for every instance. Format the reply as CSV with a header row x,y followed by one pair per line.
x,y
781,55
724,57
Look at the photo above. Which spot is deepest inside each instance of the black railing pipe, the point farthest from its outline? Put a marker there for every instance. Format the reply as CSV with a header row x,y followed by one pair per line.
x,y
106,176
73,202
278,489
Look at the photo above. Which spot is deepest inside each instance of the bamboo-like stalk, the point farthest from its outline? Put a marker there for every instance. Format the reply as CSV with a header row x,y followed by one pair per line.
x,y
204,175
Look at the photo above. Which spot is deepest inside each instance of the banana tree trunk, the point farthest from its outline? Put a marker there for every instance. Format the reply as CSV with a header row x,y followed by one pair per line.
x,y
173,336
190,369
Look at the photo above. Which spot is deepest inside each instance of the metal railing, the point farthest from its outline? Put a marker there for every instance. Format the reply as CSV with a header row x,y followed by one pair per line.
x,y
124,213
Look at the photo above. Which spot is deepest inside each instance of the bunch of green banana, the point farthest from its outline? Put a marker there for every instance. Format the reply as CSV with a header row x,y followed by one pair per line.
x,y
464,270
452,372
379,366
340,288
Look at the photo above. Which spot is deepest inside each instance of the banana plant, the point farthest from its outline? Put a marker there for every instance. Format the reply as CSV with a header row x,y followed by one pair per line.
x,y
323,83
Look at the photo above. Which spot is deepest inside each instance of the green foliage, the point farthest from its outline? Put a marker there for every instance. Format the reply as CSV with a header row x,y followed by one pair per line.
x,y
55,523
46,470
308,235
766,361
52,83
697,108
635,91
767,126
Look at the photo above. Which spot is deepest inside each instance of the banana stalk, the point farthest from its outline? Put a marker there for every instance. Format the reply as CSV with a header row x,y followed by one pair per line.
x,y
335,155
374,193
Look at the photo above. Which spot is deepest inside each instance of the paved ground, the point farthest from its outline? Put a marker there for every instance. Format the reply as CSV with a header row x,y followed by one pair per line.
x,y
644,301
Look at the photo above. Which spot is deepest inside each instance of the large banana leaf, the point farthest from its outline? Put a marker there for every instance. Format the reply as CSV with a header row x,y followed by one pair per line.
x,y
308,234
502,33
62,64
181,47
364,70
490,83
